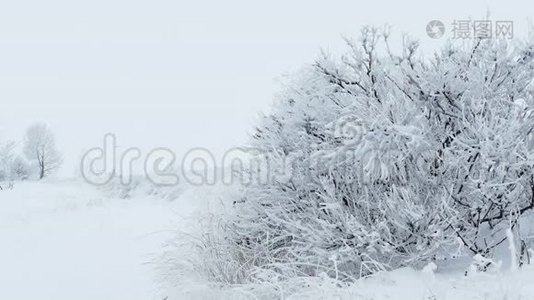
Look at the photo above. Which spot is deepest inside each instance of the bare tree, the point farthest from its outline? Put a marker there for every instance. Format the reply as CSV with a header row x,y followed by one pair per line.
x,y
40,147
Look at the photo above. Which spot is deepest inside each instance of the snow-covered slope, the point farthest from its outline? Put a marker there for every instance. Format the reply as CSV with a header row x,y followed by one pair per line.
x,y
68,240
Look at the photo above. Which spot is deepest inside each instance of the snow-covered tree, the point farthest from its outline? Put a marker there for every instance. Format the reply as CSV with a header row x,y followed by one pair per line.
x,y
40,149
390,160
6,159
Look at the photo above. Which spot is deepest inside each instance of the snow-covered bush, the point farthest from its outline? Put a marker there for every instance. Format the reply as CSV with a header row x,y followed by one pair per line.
x,y
12,165
481,104
20,168
6,160
381,161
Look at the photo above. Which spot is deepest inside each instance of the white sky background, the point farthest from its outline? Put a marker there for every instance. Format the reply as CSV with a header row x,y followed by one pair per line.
x,y
181,74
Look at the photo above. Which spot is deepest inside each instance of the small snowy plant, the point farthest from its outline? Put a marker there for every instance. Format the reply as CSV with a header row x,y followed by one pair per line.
x,y
12,165
392,159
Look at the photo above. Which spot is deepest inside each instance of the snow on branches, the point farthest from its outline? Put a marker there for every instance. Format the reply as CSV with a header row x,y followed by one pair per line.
x,y
395,159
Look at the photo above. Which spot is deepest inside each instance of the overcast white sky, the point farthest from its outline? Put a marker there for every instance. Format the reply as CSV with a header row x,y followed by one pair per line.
x,y
180,74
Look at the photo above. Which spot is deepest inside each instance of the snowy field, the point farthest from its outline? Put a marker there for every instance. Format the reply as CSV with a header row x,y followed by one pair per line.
x,y
68,240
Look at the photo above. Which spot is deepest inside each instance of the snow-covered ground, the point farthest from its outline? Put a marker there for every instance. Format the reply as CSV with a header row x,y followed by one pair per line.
x,y
68,240
401,284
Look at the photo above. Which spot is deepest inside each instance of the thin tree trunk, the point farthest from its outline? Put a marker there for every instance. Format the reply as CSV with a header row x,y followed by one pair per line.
x,y
42,169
